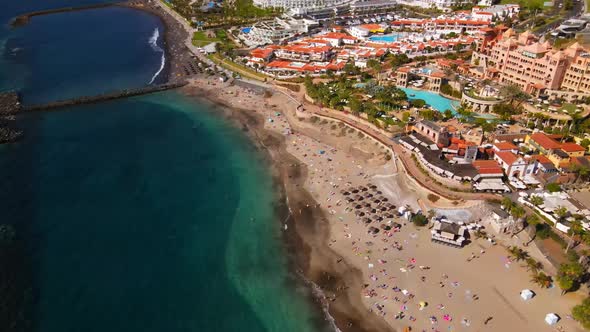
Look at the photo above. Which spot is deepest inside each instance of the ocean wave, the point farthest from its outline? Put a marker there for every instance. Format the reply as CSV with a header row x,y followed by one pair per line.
x,y
319,294
153,41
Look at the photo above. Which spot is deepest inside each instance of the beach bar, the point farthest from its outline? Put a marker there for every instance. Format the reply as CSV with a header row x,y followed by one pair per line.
x,y
448,233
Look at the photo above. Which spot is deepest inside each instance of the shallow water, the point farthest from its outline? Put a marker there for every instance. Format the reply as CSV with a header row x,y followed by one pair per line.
x,y
141,214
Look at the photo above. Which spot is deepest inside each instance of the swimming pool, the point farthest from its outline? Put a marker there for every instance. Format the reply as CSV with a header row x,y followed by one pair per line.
x,y
435,100
384,38
246,30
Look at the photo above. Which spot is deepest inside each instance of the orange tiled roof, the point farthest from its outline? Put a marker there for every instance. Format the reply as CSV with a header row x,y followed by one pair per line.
x,y
572,147
505,146
507,156
545,141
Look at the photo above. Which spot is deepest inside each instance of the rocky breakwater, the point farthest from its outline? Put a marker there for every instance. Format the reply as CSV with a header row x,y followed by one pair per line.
x,y
9,107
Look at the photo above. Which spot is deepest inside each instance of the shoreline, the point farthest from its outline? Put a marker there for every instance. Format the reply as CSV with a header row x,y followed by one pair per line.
x,y
365,277
301,212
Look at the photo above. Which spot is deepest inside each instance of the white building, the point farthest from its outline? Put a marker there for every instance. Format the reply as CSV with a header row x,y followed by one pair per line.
x,y
302,6
270,32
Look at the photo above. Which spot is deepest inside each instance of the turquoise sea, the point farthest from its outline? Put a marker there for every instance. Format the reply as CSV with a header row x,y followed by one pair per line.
x,y
143,214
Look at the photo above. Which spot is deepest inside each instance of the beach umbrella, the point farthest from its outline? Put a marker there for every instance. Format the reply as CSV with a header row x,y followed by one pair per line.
x,y
368,204
354,190
551,319
385,227
373,210
383,208
366,220
344,192
370,185
376,201
422,305
373,230
363,188
358,206
349,200
378,192
358,212
367,195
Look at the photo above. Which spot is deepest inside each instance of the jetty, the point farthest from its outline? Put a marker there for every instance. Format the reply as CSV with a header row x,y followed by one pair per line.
x,y
102,97
25,18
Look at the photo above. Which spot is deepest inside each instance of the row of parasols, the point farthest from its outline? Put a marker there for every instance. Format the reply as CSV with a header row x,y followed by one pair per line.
x,y
370,205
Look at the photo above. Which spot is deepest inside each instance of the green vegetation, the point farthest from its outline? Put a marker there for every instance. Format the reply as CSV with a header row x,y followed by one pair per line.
x,y
581,313
448,90
419,220
569,276
201,39
237,12
242,70
553,187
342,93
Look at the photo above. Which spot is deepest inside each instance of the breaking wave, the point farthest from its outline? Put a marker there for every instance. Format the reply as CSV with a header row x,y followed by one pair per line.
x,y
153,41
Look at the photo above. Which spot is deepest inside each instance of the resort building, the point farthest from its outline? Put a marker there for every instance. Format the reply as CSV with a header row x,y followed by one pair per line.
x,y
560,154
577,76
365,30
531,64
300,7
425,78
448,233
505,147
514,166
496,12
275,31
441,25
434,132
305,52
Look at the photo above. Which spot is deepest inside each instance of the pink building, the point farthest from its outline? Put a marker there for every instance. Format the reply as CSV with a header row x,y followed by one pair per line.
x,y
525,61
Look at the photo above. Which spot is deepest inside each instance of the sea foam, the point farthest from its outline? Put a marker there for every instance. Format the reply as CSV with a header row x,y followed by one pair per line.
x,y
153,41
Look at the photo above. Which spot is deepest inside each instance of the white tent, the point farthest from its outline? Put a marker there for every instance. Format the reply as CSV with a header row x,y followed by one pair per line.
x,y
551,319
526,294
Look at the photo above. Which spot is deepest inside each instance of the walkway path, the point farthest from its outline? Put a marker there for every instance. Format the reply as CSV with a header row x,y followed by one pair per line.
x,y
409,165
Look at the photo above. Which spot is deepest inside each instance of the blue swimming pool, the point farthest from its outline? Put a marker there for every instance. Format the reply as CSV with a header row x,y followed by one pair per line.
x,y
246,30
435,100
384,38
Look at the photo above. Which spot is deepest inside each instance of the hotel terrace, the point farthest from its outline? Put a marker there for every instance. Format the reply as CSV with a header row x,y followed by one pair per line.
x,y
532,64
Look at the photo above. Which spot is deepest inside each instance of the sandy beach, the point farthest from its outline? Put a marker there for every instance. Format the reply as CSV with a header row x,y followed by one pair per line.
x,y
397,277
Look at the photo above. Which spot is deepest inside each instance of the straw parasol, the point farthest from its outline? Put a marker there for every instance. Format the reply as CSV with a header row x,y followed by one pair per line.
x,y
373,230
358,206
366,220
363,188
354,190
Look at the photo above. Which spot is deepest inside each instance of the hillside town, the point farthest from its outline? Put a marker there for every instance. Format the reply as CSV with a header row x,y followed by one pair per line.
x,y
484,106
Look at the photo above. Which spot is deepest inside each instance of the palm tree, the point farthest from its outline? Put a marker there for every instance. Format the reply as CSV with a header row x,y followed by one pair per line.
x,y
506,203
541,279
533,265
560,212
536,200
518,254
